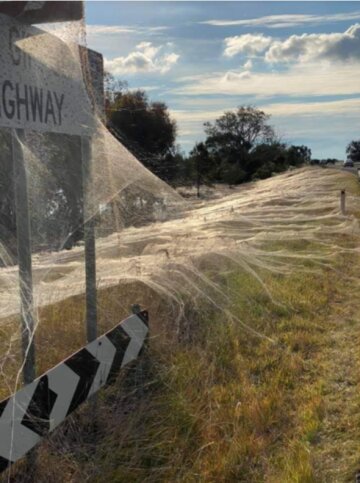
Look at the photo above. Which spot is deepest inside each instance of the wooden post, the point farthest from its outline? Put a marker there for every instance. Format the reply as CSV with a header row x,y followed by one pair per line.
x,y
342,202
23,232
89,241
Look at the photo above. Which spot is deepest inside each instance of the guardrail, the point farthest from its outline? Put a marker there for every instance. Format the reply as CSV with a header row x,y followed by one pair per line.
x,y
38,408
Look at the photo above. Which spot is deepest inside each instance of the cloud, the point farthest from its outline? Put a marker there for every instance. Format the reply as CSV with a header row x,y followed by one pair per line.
x,y
248,64
246,44
145,58
311,79
286,20
309,47
111,30
338,107
236,76
343,107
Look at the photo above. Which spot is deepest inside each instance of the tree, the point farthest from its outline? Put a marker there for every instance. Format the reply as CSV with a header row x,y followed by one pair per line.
x,y
298,155
353,151
267,159
234,135
144,127
201,163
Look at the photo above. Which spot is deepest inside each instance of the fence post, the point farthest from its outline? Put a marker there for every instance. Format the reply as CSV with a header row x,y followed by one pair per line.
x,y
342,202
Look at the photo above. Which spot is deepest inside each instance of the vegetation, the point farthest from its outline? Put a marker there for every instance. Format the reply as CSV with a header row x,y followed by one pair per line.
x,y
144,127
220,403
353,151
239,146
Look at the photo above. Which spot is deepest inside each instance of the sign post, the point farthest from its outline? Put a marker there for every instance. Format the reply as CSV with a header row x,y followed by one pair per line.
x,y
42,89
23,233
89,242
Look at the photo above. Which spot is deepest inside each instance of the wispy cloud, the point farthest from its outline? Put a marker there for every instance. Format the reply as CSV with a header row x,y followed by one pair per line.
x,y
280,109
111,30
311,79
285,20
145,58
338,107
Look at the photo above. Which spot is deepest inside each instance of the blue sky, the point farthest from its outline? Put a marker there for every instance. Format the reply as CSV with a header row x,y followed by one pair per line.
x,y
298,61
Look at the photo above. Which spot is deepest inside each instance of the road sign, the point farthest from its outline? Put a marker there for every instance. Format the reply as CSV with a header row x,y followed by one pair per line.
x,y
40,12
41,83
41,406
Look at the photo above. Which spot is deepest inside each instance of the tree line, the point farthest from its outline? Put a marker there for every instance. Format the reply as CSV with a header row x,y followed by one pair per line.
x,y
239,146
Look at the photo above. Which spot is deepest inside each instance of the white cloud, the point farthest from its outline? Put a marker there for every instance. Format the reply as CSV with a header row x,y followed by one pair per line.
x,y
309,47
248,65
145,58
111,30
339,107
236,76
311,79
286,20
246,44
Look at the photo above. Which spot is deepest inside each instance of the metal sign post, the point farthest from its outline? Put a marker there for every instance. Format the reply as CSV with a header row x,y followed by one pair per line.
x,y
43,97
89,241
37,97
24,255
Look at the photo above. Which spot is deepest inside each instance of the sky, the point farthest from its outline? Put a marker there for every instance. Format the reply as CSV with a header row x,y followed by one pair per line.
x,y
297,61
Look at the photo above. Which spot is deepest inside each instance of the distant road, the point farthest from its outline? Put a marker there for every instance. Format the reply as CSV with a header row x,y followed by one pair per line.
x,y
340,167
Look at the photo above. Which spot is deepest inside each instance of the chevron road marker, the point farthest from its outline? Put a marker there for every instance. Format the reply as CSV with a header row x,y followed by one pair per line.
x,y
38,408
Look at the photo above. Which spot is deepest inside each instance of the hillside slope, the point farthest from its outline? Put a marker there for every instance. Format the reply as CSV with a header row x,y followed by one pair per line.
x,y
252,370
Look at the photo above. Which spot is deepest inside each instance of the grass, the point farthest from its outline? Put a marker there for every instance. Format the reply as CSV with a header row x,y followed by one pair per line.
x,y
225,405
228,406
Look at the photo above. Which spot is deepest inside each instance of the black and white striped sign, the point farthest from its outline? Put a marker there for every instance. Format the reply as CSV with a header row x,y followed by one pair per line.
x,y
38,408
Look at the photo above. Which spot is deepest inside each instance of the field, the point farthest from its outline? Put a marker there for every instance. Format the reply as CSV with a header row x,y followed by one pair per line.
x,y
252,372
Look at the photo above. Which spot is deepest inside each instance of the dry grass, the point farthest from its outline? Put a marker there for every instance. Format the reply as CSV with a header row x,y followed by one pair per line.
x,y
224,405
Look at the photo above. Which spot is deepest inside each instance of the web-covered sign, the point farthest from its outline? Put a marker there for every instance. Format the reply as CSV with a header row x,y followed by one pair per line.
x,y
41,82
40,12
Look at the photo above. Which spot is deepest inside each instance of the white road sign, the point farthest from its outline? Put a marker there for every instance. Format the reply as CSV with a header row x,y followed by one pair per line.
x,y
41,83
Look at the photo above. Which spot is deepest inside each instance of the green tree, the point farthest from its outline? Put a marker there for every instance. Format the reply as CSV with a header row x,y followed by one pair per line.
x,y
201,165
298,155
267,159
143,126
353,151
232,137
